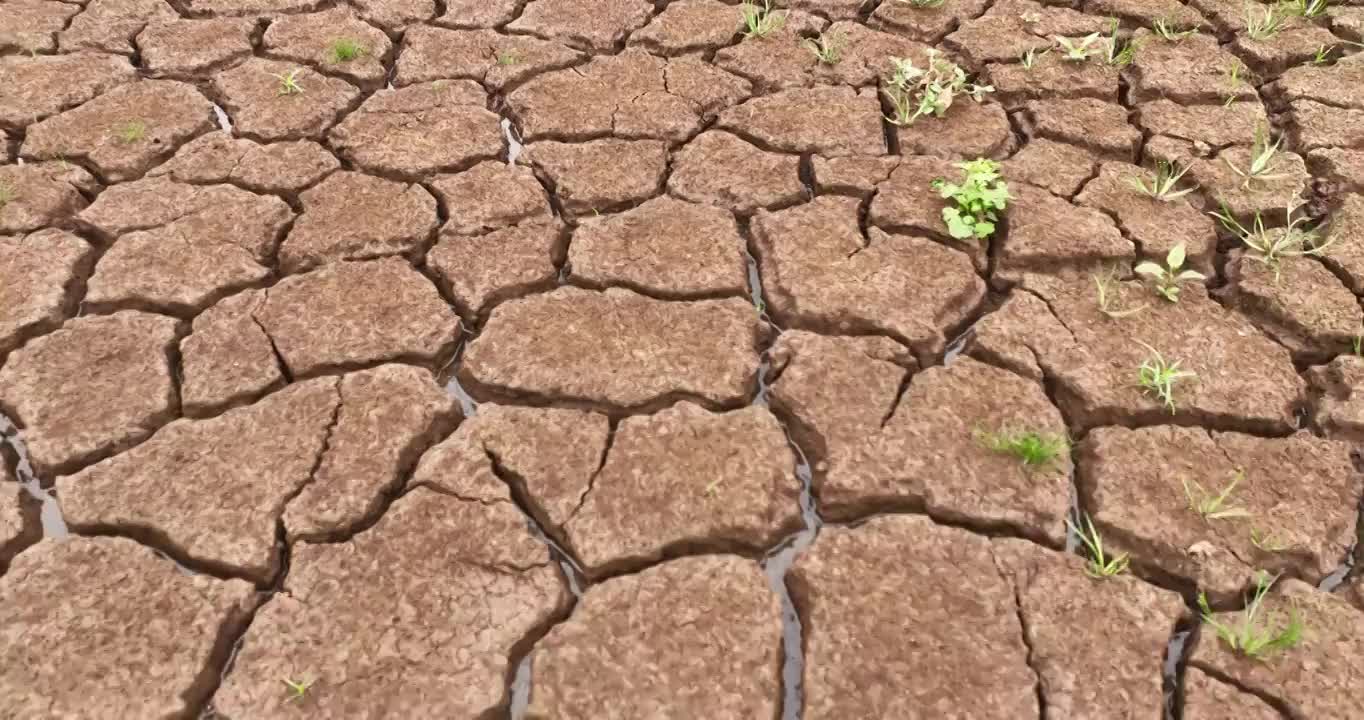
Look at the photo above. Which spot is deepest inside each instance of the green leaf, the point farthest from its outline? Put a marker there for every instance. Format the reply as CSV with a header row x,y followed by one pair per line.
x,y
1176,257
1150,268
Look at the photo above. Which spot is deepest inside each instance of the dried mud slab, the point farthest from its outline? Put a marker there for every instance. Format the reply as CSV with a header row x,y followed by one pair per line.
x,y
1050,78
1192,71
1300,494
97,385
42,194
684,479
601,175
438,653
1286,181
261,109
421,129
905,201
111,25
851,175
709,627
1338,408
722,169
312,39
616,349
154,202
830,121
394,16
1300,303
664,248
38,274
1336,85
1100,126
597,25
174,47
233,473
1155,226
478,271
34,87
1083,666
834,391
1055,329
926,455
1213,125
1207,698
227,359
125,131
1046,234
477,13
1144,11
931,642
632,95
822,273
18,529
925,24
1338,169
784,59
1292,45
1347,22
1320,678
967,130
352,216
30,26
217,157
689,26
491,195
1058,168
238,8
103,628
485,56
1314,125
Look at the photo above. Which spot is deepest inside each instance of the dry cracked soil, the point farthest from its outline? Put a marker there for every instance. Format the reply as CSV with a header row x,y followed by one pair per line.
x,y
613,359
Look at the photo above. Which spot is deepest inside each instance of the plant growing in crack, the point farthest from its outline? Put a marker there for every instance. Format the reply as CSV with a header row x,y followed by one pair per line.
x,y
1105,284
1257,635
1270,246
760,20
1117,51
1215,507
1099,565
297,690
131,132
1322,55
1263,151
1078,50
1162,182
1033,449
1157,377
288,82
1166,29
1167,280
1029,59
1234,79
344,50
979,198
914,91
828,47
1304,8
1264,22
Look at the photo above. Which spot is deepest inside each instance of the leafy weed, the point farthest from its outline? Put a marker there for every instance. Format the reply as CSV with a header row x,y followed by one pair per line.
x,y
914,91
979,198
1078,50
1156,376
1162,182
1168,279
761,20
1271,246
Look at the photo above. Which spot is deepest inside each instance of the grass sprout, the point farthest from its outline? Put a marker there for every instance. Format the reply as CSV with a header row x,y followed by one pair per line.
x,y
1030,58
978,199
1271,246
1234,80
297,689
1156,376
1257,635
1304,8
1322,55
828,47
1078,49
1264,23
760,20
344,50
131,132
1168,279
1100,565
1118,52
1034,449
288,82
1162,182
923,3
1215,507
1262,154
915,91
1104,284
1167,30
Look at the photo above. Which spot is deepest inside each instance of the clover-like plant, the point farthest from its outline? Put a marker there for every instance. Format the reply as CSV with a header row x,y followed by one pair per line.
x,y
977,200
1157,377
1163,182
1215,507
914,91
1033,448
1257,635
1078,49
1100,565
1271,246
1166,280
760,20
828,47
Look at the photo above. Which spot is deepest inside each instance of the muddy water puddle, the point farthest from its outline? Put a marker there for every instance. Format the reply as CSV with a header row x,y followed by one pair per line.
x,y
50,513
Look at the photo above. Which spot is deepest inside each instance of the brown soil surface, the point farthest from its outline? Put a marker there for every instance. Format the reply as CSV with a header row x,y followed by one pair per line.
x,y
616,359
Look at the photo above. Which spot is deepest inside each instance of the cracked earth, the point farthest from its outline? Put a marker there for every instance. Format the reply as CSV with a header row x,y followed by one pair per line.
x,y
590,359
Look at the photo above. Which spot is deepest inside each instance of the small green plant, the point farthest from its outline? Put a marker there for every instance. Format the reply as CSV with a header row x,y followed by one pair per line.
x,y
297,689
1271,246
760,20
1357,345
1168,279
1032,448
924,3
1266,541
508,57
288,82
1262,154
1157,377
1117,51
1323,55
344,50
914,91
1215,507
1099,566
1162,182
1257,636
1233,80
1304,8
1030,58
1265,22
978,199
7,194
131,132
713,488
1167,30
1104,283
1078,50
828,47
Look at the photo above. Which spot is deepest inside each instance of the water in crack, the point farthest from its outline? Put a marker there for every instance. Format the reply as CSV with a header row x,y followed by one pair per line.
x,y
467,405
1170,671
520,689
776,565
513,144
224,122
1336,578
54,526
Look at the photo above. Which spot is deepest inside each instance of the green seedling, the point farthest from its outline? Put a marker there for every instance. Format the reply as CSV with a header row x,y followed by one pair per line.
x,y
1118,52
1257,636
508,57
1168,279
1032,448
1215,507
297,689
1157,377
761,20
713,488
1264,23
828,47
1304,8
1078,50
1266,541
1323,55
7,194
1357,345
1104,284
1233,81
1030,58
1162,182
1099,566
924,3
288,82
1167,30
131,132
1262,154
1271,246
344,50
914,91
978,199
